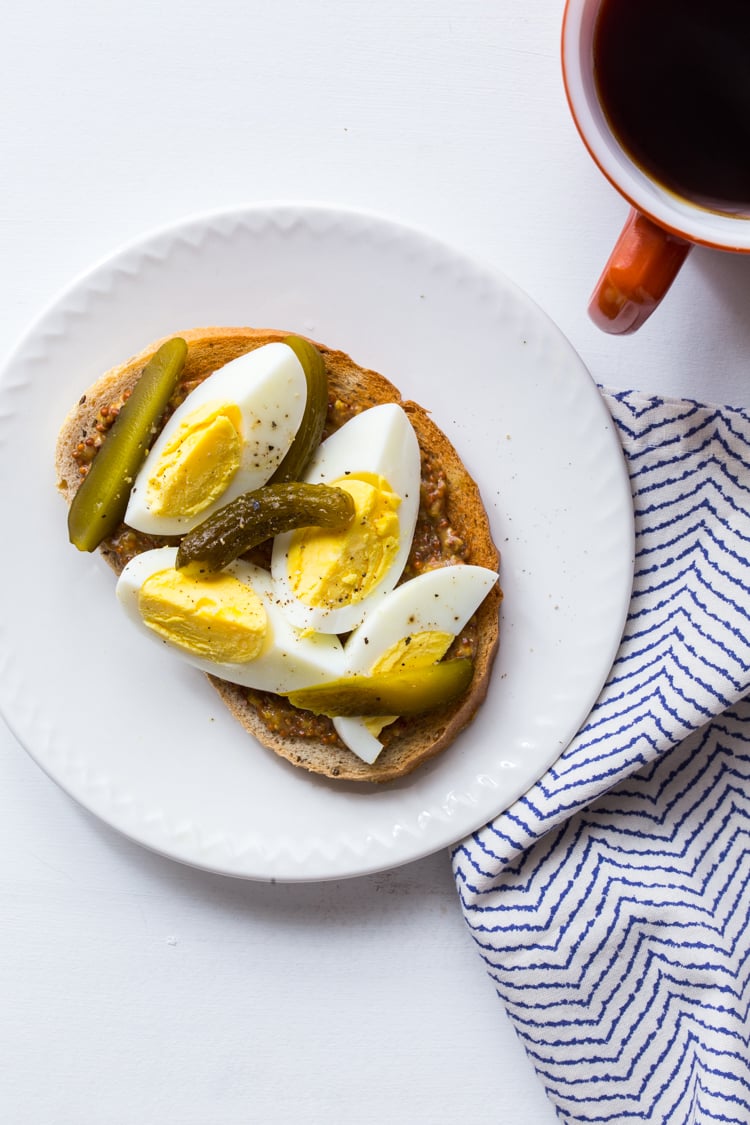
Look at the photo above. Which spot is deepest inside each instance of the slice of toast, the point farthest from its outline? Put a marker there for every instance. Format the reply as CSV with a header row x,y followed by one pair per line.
x,y
452,528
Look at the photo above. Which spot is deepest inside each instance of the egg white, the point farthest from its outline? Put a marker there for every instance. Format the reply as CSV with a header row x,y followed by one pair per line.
x,y
380,440
440,600
268,385
287,661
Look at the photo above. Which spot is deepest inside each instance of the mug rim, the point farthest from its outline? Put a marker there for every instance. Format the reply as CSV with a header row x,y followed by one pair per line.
x,y
675,214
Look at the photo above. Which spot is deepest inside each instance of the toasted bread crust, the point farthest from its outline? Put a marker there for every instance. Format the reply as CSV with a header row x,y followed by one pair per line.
x,y
418,739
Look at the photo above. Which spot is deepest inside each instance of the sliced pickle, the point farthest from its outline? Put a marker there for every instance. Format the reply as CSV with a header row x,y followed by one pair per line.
x,y
259,515
100,502
307,438
409,692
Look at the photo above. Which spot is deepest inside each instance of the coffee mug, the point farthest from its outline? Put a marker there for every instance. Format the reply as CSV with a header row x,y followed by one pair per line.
x,y
660,94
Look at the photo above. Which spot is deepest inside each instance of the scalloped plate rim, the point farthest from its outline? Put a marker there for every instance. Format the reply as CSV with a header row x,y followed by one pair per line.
x,y
430,829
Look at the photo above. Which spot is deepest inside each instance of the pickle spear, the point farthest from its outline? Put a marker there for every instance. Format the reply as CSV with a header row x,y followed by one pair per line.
x,y
408,692
259,515
307,438
100,502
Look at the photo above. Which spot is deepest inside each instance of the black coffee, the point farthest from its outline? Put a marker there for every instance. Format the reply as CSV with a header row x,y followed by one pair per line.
x,y
673,78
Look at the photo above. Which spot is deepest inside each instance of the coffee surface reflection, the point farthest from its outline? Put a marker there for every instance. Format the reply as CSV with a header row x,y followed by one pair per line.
x,y
673,79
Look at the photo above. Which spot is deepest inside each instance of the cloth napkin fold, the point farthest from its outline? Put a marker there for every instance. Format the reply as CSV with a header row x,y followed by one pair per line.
x,y
611,903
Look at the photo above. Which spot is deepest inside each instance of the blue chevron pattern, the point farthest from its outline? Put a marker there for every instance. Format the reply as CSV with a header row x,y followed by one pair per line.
x,y
611,904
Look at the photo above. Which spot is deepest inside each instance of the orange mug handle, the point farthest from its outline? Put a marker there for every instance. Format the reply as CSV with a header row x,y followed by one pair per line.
x,y
644,263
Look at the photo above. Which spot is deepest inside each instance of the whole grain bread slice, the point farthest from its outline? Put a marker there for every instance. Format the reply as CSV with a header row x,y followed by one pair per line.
x,y
453,524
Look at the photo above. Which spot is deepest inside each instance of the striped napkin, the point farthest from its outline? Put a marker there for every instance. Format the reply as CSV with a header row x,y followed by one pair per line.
x,y
611,903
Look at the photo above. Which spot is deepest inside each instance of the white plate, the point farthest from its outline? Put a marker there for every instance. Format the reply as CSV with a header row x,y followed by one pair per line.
x,y
143,742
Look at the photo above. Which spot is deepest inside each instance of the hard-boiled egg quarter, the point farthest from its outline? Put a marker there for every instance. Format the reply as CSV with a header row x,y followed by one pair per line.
x,y
226,438
330,580
413,626
226,624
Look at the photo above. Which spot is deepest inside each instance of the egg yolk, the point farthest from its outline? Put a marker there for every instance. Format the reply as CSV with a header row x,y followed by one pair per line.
x,y
414,651
334,568
214,616
198,463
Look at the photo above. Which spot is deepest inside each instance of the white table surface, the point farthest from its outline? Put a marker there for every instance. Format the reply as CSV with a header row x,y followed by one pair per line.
x,y
133,989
